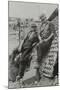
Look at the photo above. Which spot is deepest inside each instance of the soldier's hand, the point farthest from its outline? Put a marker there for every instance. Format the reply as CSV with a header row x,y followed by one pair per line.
x,y
17,78
17,57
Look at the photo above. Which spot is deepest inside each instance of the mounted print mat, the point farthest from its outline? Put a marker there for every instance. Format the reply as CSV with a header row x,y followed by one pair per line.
x,y
32,44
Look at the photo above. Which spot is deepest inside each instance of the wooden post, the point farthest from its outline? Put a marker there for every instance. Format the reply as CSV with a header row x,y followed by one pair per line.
x,y
18,24
19,36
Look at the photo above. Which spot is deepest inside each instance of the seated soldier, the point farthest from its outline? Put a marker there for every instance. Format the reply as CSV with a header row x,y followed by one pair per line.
x,y
47,34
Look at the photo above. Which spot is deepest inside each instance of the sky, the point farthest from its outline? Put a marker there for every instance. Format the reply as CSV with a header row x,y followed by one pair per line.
x,y
30,10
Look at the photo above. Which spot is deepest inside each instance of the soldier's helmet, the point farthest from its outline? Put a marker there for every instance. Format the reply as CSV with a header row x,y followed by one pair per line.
x,y
43,17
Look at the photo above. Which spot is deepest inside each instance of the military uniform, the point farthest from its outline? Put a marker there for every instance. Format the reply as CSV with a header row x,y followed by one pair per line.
x,y
29,42
46,30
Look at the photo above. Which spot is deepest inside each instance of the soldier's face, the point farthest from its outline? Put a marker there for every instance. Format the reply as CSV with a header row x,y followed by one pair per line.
x,y
32,28
38,30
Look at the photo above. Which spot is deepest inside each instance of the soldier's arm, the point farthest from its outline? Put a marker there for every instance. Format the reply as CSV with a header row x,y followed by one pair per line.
x,y
20,45
39,37
19,55
51,35
52,29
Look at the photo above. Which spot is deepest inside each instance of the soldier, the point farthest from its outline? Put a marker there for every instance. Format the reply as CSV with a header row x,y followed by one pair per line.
x,y
47,34
29,42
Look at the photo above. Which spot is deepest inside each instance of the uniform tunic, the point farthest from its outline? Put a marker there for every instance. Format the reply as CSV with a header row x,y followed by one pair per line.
x,y
30,41
46,30
28,44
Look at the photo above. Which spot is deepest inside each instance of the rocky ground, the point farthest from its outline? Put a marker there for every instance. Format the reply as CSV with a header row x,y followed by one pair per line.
x,y
42,83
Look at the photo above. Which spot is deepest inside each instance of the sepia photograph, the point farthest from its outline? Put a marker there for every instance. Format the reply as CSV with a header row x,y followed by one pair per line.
x,y
33,47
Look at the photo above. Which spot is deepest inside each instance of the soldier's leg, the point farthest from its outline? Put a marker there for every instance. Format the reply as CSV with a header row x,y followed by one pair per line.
x,y
22,68
34,64
23,64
